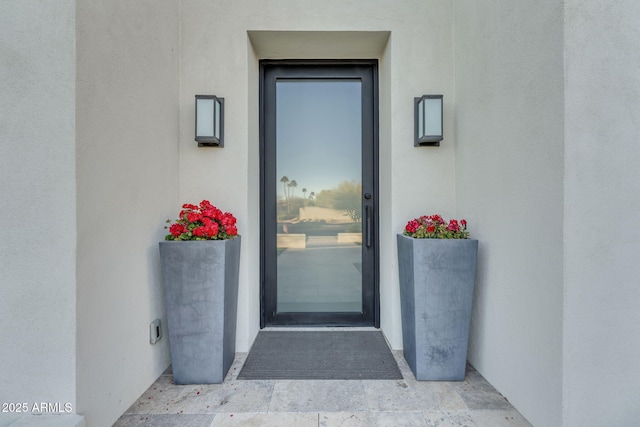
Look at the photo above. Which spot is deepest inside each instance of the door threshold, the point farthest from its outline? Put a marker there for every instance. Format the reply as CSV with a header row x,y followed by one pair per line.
x,y
320,328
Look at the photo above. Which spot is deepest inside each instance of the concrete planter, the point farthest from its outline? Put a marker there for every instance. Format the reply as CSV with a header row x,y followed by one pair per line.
x,y
200,281
437,278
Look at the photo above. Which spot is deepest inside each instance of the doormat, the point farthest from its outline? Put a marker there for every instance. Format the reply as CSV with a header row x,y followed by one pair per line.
x,y
320,355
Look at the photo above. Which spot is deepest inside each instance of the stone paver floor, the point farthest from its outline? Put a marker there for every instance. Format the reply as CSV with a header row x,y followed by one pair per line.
x,y
353,403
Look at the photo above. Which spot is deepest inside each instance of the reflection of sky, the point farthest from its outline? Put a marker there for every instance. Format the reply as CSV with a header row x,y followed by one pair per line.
x,y
318,133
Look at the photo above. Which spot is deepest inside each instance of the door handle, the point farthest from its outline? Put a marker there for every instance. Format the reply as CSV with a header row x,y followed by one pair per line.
x,y
367,219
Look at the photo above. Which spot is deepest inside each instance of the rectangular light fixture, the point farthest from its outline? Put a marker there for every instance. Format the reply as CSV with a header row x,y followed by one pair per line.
x,y
428,120
209,121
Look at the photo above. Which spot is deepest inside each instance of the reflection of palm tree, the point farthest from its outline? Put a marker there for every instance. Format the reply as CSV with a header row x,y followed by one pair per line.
x,y
293,184
304,192
312,195
284,180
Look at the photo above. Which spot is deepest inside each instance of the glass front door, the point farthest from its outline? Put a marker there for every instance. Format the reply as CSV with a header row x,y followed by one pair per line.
x,y
318,248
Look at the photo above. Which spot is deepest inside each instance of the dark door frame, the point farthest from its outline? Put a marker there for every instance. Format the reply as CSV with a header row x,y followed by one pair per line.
x,y
327,69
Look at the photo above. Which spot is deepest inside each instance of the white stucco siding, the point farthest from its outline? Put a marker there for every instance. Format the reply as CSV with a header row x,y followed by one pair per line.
x,y
602,199
127,170
540,156
218,57
509,173
37,202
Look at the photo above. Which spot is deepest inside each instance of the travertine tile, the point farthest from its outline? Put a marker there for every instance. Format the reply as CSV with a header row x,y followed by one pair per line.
x,y
163,397
21,419
472,402
231,396
371,419
405,370
510,418
318,395
238,361
479,394
152,420
402,395
236,366
345,419
280,419
450,419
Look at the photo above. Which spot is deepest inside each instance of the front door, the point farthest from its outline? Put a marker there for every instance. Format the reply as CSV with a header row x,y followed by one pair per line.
x,y
319,193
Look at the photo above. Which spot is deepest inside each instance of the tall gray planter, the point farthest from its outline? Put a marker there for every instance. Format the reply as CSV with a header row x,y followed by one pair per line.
x,y
200,282
437,278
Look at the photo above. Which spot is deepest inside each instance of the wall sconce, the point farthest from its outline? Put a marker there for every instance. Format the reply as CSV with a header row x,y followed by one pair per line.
x,y
209,121
428,118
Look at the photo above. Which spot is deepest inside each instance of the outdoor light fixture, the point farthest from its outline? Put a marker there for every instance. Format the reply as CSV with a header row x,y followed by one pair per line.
x,y
209,121
428,118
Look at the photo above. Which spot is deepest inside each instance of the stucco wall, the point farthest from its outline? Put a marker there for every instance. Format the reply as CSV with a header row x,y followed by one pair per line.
x,y
218,57
96,140
509,181
602,213
127,186
38,204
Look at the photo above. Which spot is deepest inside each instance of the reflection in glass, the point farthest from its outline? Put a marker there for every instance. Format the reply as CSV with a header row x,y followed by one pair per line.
x,y
319,188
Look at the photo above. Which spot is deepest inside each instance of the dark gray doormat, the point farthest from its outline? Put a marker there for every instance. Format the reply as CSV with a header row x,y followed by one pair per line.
x,y
320,355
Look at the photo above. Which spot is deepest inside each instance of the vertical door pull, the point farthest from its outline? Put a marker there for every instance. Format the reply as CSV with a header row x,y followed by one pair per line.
x,y
367,216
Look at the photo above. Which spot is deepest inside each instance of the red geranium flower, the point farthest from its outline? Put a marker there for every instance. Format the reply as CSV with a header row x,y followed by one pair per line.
x,y
202,222
228,219
194,216
453,225
435,227
212,212
412,226
177,229
211,228
232,230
